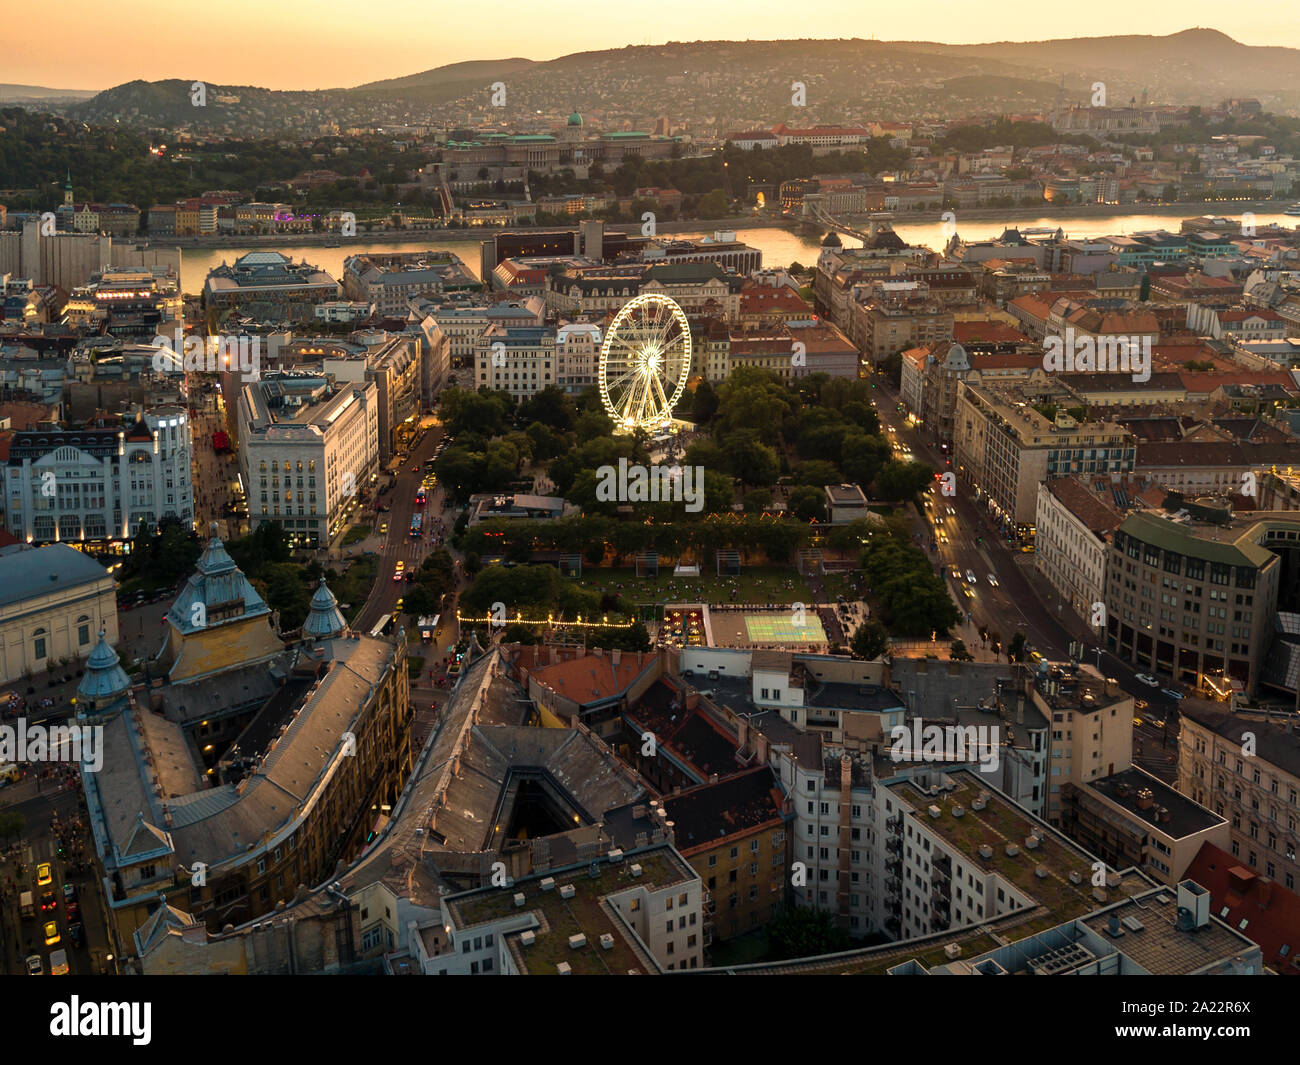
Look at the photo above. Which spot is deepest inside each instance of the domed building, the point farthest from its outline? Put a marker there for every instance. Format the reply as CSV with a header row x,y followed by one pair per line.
x,y
217,622
324,619
103,689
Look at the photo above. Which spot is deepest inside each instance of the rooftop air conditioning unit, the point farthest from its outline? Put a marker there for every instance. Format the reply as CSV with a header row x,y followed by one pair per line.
x,y
527,938
567,891
548,883
519,899
635,869
577,941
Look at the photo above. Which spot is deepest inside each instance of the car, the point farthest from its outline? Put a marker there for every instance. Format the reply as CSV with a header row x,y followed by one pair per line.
x,y
1177,696
952,511
400,604
1140,704
993,580
69,893
415,469
943,537
956,573
74,910
967,592
35,967
1035,657
1159,722
1138,722
970,577
77,933
48,901
52,933
384,527
43,875
1147,679
397,576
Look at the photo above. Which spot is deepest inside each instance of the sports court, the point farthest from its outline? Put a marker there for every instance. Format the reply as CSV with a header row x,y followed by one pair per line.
x,y
780,628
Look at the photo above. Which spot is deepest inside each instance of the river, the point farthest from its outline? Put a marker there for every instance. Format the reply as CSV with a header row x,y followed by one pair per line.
x,y
779,246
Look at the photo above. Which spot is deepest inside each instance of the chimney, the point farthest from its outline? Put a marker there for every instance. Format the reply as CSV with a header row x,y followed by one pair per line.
x,y
1145,799
761,748
614,656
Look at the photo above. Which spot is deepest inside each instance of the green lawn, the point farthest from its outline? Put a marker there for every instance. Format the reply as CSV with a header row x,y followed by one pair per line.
x,y
355,535
838,584
769,584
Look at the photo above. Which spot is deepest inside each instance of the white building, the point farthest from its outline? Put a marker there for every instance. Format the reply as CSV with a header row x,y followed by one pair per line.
x,y
1071,546
307,449
90,485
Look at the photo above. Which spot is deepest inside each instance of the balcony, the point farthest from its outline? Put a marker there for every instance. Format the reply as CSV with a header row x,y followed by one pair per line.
x,y
894,846
894,866
895,823
893,885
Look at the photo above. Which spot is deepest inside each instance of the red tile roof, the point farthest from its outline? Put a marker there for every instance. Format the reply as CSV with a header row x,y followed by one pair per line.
x,y
1271,912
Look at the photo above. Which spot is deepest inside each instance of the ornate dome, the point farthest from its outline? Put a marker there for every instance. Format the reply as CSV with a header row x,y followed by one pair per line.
x,y
324,620
105,680
575,119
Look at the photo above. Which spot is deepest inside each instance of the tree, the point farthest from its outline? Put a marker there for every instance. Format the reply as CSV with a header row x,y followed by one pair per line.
x,y
807,503
870,641
902,480
757,500
801,932
958,652
712,205
12,825
1016,649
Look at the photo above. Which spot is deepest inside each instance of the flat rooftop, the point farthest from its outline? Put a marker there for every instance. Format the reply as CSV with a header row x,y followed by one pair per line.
x,y
1185,816
586,913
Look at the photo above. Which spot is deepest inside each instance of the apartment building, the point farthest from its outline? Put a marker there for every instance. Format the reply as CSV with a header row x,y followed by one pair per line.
x,y
1005,447
307,449
519,360
1191,592
1247,771
391,281
1132,819
100,485
1072,524
395,365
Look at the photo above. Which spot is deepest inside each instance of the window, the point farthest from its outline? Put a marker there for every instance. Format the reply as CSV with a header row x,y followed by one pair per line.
x,y
38,643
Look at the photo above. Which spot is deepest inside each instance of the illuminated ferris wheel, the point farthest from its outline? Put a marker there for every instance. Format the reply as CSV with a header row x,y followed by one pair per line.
x,y
644,362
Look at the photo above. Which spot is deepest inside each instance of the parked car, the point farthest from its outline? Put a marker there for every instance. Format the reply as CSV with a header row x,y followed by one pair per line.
x,y
1147,679
35,967
69,892
77,933
1173,694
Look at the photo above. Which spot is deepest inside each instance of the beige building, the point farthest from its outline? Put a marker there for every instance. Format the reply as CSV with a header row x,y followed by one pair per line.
x,y
1192,594
1258,792
1131,818
1004,446
53,600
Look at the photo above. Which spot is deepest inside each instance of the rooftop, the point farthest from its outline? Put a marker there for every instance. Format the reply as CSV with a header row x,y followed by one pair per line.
x,y
556,919
1125,789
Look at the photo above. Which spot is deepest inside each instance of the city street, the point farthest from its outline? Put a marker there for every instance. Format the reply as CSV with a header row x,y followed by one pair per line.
x,y
1017,602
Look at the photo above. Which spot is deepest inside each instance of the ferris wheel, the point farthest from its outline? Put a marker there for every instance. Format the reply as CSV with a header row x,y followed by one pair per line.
x,y
644,362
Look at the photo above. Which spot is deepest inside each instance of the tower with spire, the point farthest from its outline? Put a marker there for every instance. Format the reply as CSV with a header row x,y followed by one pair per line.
x,y
103,690
67,192
324,619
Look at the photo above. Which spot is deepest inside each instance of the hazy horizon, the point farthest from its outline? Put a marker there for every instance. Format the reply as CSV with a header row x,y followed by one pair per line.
x,y
390,45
